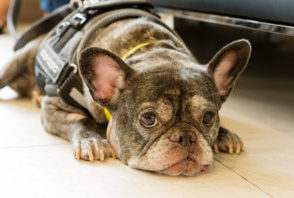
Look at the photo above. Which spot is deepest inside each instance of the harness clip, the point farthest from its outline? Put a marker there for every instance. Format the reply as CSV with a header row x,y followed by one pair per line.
x,y
62,28
78,20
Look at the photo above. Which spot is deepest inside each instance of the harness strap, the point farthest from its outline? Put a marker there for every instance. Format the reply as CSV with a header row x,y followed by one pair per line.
x,y
45,24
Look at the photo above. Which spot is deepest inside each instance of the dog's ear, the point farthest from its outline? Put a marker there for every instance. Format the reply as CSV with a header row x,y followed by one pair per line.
x,y
228,64
104,73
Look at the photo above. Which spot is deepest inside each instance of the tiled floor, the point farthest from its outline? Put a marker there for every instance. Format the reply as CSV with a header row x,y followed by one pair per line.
x,y
35,164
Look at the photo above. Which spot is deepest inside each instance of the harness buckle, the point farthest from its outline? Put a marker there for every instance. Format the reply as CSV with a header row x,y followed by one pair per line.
x,y
62,28
78,20
75,67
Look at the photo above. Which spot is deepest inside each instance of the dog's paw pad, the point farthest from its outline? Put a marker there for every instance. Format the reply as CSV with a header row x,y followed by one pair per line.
x,y
228,142
93,148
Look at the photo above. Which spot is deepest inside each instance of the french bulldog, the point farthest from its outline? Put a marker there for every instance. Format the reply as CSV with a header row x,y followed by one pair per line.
x,y
164,105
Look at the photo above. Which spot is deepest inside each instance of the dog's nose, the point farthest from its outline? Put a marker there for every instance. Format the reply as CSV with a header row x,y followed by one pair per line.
x,y
184,138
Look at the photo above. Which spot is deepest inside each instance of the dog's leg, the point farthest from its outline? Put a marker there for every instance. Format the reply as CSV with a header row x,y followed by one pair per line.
x,y
18,72
72,124
228,142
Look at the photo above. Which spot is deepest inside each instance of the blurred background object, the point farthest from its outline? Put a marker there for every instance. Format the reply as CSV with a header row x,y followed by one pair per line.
x,y
21,10
4,5
49,6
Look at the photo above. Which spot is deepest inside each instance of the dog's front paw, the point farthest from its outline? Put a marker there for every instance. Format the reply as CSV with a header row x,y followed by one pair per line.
x,y
90,146
228,142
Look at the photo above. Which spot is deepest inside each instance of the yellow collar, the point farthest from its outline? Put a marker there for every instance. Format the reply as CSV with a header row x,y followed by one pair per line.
x,y
106,112
134,49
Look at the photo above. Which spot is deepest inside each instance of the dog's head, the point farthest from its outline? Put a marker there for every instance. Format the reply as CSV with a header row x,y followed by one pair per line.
x,y
165,111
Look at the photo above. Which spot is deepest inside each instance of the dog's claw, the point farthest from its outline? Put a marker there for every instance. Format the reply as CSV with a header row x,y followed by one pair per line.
x,y
238,148
101,155
78,153
89,146
228,142
242,146
230,146
90,153
215,148
113,154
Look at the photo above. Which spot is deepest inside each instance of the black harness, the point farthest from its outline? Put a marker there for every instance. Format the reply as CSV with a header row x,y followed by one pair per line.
x,y
56,65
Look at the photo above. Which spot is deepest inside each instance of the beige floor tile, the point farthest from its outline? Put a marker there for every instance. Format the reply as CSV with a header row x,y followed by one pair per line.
x,y
263,101
52,171
263,117
21,126
267,159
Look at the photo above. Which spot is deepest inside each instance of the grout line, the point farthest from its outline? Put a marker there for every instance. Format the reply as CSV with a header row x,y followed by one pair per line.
x,y
247,180
30,146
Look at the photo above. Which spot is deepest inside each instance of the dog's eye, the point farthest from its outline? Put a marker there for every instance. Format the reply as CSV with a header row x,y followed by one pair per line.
x,y
148,119
208,118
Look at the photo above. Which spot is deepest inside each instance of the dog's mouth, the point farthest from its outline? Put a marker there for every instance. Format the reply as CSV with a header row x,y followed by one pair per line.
x,y
186,167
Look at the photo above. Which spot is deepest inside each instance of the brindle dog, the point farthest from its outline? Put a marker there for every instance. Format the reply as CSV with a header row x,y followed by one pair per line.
x,y
164,104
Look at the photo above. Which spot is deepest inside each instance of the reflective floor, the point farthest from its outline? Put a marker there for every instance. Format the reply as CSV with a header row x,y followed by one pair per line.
x,y
260,110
